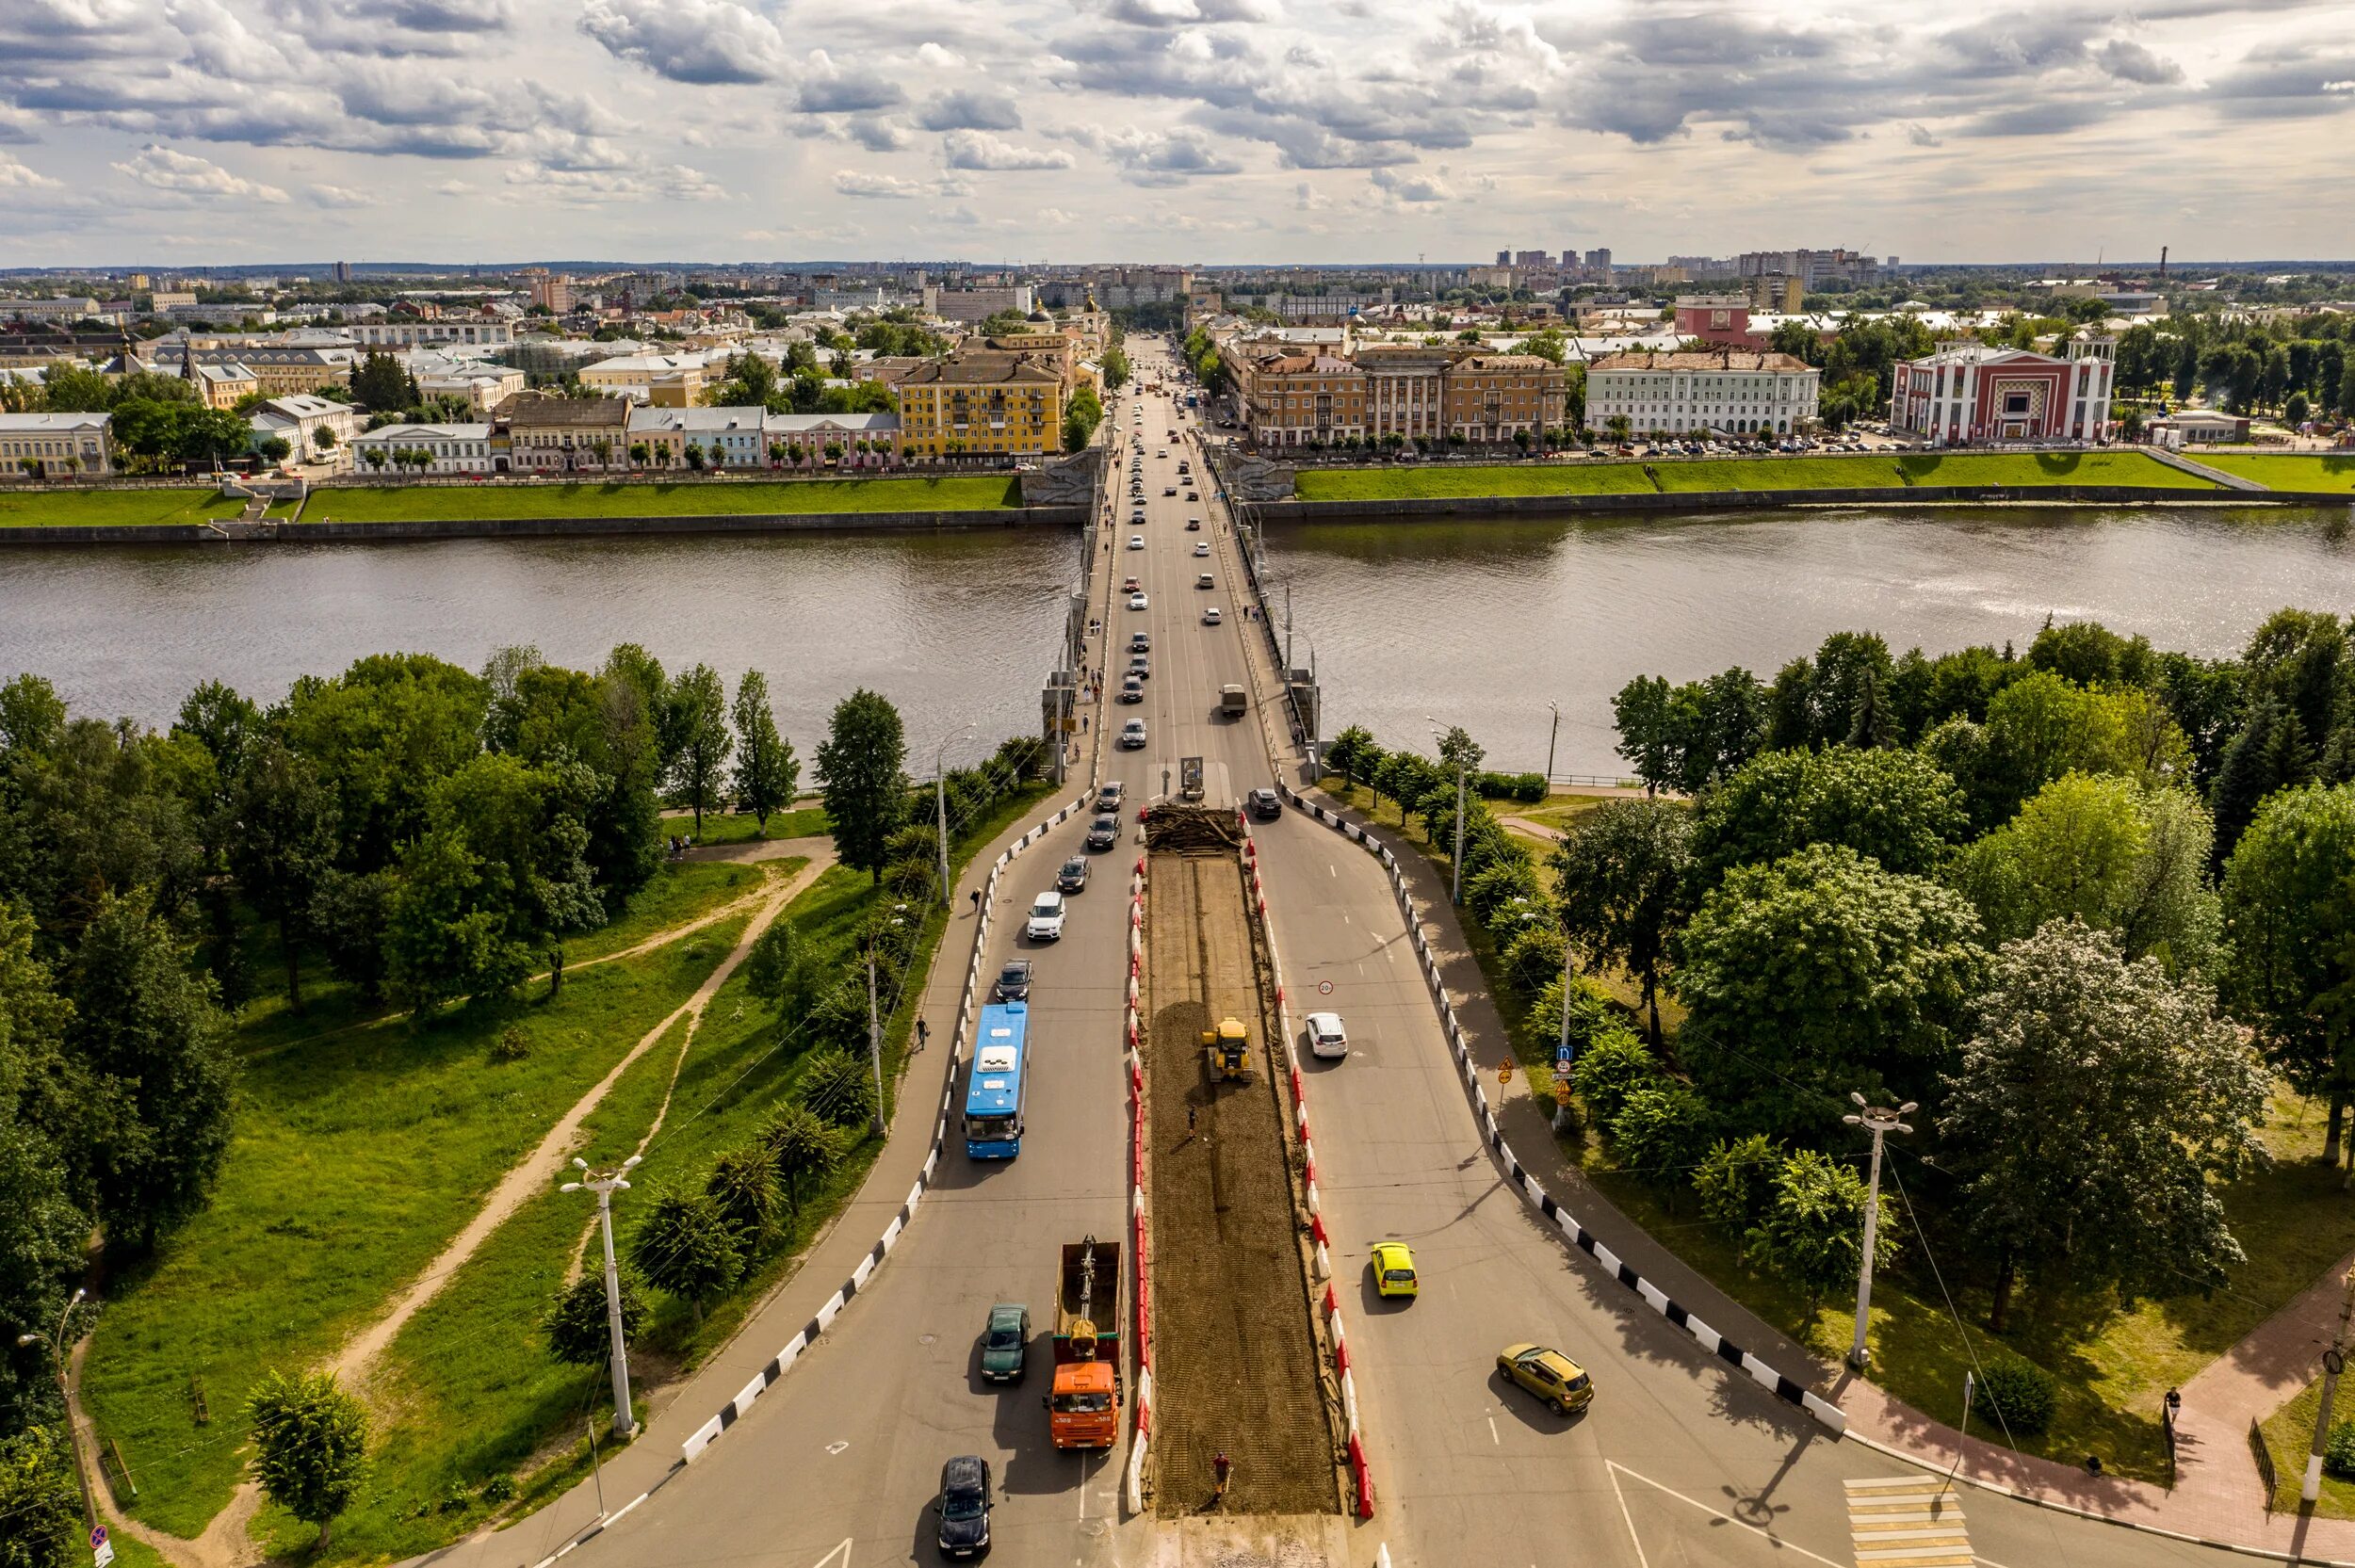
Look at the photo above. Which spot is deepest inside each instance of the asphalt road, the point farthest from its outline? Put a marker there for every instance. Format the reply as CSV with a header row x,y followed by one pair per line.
x,y
1674,1462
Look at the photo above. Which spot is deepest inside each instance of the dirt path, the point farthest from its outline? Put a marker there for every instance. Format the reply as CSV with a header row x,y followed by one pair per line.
x,y
764,848
227,1541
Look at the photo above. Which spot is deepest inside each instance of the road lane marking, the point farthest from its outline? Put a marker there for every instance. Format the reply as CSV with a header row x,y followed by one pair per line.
x,y
1492,1433
1634,1539
1906,1522
1781,1542
841,1554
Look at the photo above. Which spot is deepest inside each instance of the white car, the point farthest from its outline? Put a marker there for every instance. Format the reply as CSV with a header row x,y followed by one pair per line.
x,y
1202,549
1327,1037
1132,736
1136,600
1136,541
1046,923
1209,617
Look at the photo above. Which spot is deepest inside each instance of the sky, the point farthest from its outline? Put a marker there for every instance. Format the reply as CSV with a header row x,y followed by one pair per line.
x,y
1185,131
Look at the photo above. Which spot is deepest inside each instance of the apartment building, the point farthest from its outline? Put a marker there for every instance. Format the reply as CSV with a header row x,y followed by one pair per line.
x,y
222,386
63,307
977,304
1294,397
1971,393
564,435
449,449
982,404
1290,399
1494,398
58,446
281,372
867,440
727,437
1727,390
409,333
1406,390
635,375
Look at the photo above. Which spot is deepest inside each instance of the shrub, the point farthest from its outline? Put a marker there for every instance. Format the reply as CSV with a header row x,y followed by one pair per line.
x,y
2022,1393
686,1247
743,1182
1736,1181
1533,959
1527,789
2338,1453
1660,1130
511,1044
1812,1234
835,1084
498,1489
577,1328
1493,890
1614,1065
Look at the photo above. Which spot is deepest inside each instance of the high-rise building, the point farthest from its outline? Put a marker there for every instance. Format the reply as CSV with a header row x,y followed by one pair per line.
x,y
1505,258
343,272
1532,258
1599,260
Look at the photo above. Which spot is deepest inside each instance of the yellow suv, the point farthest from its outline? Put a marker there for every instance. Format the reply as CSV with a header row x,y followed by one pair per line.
x,y
1394,1270
1554,1377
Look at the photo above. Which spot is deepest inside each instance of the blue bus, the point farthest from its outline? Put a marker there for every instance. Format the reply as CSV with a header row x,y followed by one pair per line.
x,y
993,1096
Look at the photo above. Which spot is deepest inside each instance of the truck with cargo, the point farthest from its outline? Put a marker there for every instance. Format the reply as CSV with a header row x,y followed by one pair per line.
x,y
1083,1409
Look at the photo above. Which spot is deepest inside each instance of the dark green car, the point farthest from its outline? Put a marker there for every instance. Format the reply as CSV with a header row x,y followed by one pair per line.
x,y
1005,1343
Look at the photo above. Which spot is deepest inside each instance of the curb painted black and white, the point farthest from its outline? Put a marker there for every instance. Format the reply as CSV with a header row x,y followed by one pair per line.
x,y
1784,1388
733,1410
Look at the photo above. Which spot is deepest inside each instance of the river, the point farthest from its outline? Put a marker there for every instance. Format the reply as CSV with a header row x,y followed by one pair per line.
x,y
1478,622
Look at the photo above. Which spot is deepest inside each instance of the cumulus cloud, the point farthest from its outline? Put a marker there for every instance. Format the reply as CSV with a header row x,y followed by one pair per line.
x,y
1173,13
698,42
617,182
831,89
1165,157
160,167
863,182
2129,61
875,133
981,151
968,109
16,176
1412,187
338,196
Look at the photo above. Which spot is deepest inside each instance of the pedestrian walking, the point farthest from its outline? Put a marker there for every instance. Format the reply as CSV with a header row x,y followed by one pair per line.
x,y
924,1034
1190,1116
977,900
1223,1468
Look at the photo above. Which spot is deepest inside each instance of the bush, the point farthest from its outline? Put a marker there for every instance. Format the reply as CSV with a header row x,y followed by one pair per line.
x,y
577,1328
1736,1183
1533,959
1527,789
511,1044
1660,1131
2022,1393
2338,1452
1494,889
498,1489
834,1085
1612,1066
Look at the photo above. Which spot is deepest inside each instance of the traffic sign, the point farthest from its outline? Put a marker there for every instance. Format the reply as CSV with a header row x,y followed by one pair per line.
x,y
104,1555
1325,988
1504,1073
1561,1091
97,1536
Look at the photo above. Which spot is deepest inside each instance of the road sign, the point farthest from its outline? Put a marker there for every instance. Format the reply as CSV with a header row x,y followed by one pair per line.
x,y
1504,1073
1325,988
1561,1091
104,1555
97,1536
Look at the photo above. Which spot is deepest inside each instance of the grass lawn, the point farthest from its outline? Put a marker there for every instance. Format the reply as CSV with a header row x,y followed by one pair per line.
x,y
2049,468
1580,478
2286,471
354,1160
86,507
2112,1362
709,498
469,1387
2290,1434
739,827
1555,810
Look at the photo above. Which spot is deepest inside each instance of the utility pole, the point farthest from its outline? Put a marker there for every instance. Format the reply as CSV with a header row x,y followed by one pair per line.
x,y
2333,1362
1552,735
1455,891
874,1045
616,1180
56,1343
940,805
1288,631
1879,1121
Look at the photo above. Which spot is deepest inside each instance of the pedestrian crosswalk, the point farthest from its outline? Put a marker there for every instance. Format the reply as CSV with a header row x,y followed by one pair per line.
x,y
1908,1522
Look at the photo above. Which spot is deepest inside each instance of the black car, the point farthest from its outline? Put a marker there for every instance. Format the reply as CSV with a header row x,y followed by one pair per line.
x,y
1014,982
1073,878
1266,804
965,1507
1104,832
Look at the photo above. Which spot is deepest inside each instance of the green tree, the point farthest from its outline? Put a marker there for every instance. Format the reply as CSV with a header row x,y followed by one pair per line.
x,y
441,940
310,1447
743,1182
700,700
2094,1102
147,1028
862,763
577,1327
802,1149
2289,916
40,1501
1641,711
1624,872
1812,1233
1660,1132
1735,1182
1897,807
686,1247
1817,976
380,384
284,846
766,768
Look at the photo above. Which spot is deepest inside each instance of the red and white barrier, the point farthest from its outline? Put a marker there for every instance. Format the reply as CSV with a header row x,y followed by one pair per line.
x,y
1138,1229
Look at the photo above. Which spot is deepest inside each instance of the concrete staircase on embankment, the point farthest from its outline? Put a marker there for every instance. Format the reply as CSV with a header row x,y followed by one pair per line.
x,y
2230,481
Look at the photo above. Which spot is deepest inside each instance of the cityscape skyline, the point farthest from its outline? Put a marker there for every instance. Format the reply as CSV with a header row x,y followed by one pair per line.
x,y
1229,132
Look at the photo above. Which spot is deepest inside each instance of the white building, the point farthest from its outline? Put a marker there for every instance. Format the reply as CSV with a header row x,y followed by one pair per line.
x,y
450,449
56,445
977,304
316,429
409,333
1735,392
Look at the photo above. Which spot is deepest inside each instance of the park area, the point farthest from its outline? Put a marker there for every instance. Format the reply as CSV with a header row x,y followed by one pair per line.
x,y
1708,476
708,498
116,508
2319,473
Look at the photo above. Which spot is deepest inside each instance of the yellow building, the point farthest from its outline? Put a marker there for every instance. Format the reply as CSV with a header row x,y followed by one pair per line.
x,y
982,405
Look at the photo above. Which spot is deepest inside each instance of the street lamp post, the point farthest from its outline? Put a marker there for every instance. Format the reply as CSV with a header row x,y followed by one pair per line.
x,y
1455,889
56,1343
604,1186
874,1028
2333,1363
1880,1121
940,805
1552,735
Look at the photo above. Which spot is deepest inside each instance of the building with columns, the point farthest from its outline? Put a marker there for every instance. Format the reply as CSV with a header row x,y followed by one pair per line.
x,y
1736,392
1968,393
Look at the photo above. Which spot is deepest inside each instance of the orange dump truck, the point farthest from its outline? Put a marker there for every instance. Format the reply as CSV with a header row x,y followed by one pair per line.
x,y
1084,1411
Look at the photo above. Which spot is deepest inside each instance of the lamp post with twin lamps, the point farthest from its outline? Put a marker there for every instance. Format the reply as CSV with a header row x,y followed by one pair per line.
x,y
604,1186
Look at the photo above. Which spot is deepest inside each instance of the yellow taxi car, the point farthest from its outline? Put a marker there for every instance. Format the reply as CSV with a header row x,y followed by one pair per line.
x,y
1394,1270
1554,1377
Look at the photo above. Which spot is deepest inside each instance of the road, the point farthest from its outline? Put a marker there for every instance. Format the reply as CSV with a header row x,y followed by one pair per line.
x,y
1676,1463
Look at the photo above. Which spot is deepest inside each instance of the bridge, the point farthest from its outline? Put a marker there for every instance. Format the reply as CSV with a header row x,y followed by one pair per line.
x,y
818,1438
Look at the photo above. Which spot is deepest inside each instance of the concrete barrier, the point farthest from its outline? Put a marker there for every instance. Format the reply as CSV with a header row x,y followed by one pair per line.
x,y
1651,502
541,528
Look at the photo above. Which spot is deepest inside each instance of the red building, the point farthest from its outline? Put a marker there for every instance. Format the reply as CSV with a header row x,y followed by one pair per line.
x,y
1720,319
1970,393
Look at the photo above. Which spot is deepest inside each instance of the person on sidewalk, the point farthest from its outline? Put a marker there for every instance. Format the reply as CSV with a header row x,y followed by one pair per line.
x,y
1223,1469
924,1034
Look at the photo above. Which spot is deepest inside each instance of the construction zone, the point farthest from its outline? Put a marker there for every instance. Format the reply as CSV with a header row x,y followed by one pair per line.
x,y
1239,1369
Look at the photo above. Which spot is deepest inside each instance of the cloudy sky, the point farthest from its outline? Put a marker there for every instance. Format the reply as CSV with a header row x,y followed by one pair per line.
x,y
1184,130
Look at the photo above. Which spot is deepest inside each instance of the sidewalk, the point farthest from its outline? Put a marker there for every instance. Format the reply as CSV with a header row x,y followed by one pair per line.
x,y
2218,1499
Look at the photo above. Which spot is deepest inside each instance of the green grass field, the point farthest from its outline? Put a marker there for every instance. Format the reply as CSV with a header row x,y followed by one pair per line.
x,y
2322,471
78,508
1416,484
739,827
2027,469
354,1159
714,498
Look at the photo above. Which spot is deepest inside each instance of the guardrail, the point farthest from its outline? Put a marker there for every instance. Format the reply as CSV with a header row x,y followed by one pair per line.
x,y
1785,1388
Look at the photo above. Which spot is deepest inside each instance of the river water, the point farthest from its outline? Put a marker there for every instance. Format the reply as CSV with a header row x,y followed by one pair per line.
x,y
1478,622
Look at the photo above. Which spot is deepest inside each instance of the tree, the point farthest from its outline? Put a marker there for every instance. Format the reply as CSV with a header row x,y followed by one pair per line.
x,y
310,1443
699,701
687,1247
766,768
1812,1233
1820,974
2289,916
273,449
862,763
743,1182
1897,807
1660,1132
1641,712
578,1327
147,1028
380,384
2094,1101
441,940
801,1149
1736,1181
1624,870
40,1501
284,846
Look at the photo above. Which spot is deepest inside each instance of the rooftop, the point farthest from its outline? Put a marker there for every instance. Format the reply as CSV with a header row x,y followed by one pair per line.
x,y
1719,359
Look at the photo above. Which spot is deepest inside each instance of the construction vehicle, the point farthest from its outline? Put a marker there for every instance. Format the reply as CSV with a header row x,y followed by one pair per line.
x,y
1084,1411
1227,1050
1190,778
